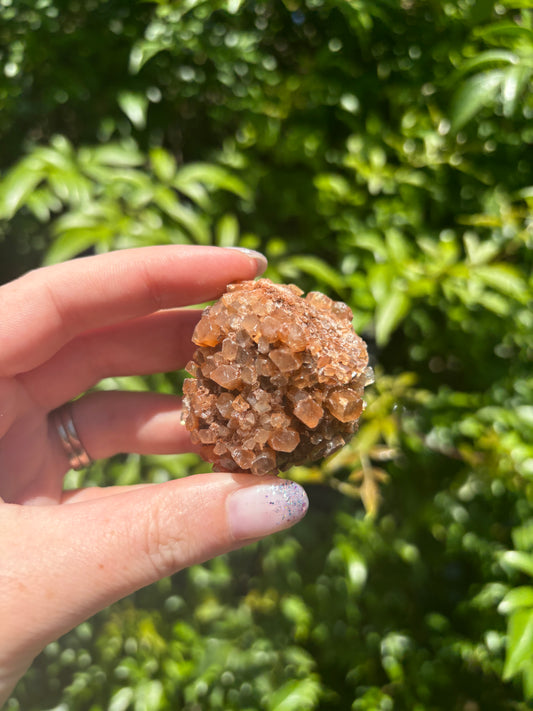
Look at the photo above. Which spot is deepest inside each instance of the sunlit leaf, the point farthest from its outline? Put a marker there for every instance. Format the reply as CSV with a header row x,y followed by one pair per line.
x,y
503,278
182,214
134,106
213,175
71,243
121,699
297,695
319,269
475,93
519,560
390,313
513,85
520,642
163,164
19,183
227,231
484,60
515,599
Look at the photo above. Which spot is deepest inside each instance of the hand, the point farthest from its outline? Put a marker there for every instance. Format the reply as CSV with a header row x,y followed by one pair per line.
x,y
66,555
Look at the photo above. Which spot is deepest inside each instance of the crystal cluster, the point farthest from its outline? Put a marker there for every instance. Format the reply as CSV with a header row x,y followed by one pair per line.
x,y
278,378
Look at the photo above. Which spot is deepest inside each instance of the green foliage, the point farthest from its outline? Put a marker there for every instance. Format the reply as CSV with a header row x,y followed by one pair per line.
x,y
376,151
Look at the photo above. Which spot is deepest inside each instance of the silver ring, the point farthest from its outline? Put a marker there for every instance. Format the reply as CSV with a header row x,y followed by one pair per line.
x,y
78,457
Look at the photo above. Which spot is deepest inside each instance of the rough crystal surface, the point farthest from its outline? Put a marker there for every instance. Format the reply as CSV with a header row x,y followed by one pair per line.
x,y
279,378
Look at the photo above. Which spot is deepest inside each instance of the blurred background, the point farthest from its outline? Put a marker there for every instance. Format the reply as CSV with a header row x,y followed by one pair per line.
x,y
376,150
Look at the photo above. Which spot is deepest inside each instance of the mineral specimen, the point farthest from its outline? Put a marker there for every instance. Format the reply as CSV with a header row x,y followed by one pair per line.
x,y
278,378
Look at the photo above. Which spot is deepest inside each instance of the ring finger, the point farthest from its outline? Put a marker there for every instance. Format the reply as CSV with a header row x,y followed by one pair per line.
x,y
109,423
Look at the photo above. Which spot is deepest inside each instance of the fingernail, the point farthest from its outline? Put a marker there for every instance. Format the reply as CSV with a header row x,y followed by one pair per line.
x,y
260,259
258,510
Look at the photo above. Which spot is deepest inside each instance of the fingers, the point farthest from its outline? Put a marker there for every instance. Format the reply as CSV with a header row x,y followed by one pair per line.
x,y
84,556
157,343
111,422
106,423
50,306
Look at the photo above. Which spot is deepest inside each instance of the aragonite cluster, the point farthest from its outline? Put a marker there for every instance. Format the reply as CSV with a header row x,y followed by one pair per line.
x,y
278,378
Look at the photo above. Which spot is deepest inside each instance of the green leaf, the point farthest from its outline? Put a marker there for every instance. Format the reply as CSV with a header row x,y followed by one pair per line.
x,y
505,29
477,251
474,94
142,52
121,699
296,695
515,599
213,175
389,314
317,268
503,278
166,199
163,164
69,244
484,60
519,560
148,696
514,83
397,246
134,106
227,231
16,187
116,155
520,642
373,242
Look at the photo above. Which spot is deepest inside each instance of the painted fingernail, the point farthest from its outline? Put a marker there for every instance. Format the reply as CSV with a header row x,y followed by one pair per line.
x,y
260,259
258,510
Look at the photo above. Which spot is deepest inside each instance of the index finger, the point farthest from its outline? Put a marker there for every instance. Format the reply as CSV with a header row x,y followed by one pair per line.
x,y
46,308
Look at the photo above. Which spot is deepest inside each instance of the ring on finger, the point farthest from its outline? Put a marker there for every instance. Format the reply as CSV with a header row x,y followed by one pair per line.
x,y
78,457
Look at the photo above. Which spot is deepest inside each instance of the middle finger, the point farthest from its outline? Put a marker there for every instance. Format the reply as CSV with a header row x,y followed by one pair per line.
x,y
152,344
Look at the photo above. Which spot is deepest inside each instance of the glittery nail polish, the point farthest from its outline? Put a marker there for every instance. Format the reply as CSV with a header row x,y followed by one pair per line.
x,y
258,510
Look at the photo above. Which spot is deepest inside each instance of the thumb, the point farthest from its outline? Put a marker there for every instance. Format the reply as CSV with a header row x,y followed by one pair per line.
x,y
71,561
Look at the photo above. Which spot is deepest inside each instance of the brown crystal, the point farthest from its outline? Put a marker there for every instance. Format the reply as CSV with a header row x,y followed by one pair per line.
x,y
278,378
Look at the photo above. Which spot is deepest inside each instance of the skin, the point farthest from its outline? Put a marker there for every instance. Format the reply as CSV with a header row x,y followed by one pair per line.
x,y
66,555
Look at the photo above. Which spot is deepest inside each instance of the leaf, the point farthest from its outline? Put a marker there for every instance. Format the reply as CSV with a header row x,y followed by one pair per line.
x,y
505,29
397,246
484,60
319,269
134,105
515,599
389,314
121,700
227,231
519,560
116,155
148,696
520,642
183,215
163,164
514,83
373,242
70,244
503,278
15,188
142,52
213,175
479,252
474,94
295,695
